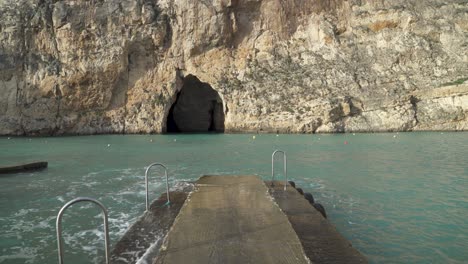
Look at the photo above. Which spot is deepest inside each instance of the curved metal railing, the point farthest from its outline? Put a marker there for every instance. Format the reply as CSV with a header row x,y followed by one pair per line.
x,y
146,183
59,225
273,167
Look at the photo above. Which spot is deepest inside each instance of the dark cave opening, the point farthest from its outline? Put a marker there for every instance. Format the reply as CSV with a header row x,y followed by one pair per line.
x,y
198,108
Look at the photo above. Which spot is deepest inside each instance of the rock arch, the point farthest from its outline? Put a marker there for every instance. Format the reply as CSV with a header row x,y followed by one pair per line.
x,y
198,108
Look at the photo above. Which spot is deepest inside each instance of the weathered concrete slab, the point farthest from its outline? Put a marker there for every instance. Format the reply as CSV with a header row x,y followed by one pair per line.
x,y
231,220
150,229
321,241
24,167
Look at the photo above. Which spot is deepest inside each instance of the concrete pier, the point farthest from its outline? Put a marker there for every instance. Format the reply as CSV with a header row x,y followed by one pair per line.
x,y
231,219
234,219
24,167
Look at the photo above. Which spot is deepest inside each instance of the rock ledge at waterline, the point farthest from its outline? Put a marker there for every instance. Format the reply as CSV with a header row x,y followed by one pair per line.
x,y
116,66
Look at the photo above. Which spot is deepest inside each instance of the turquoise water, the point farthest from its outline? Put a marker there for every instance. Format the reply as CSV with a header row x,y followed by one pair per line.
x,y
399,198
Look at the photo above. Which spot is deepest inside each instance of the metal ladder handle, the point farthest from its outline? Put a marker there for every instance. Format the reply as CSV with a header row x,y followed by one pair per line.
x,y
273,167
146,183
59,225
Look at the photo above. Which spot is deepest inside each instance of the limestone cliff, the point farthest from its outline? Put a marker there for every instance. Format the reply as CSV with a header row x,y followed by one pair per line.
x,y
117,66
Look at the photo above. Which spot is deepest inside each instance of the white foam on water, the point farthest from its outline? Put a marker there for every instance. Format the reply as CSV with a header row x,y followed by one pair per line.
x,y
181,185
27,254
151,252
130,192
47,223
90,236
89,243
119,225
22,226
23,212
88,248
90,184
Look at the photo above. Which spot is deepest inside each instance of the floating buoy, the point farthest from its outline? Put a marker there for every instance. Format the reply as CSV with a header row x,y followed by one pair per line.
x,y
151,140
108,145
354,134
346,142
299,190
277,135
9,138
253,137
293,184
394,136
309,197
175,140
320,208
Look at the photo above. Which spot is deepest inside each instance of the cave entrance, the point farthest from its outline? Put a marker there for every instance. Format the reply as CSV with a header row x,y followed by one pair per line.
x,y
198,108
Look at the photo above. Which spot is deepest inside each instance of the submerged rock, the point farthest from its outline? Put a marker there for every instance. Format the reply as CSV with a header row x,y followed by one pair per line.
x,y
83,67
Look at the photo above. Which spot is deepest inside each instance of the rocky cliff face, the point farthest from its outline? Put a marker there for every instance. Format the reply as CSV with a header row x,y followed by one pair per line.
x,y
116,66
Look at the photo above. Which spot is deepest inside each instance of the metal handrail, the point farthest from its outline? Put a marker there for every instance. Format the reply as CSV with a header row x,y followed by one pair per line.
x,y
59,225
273,167
146,182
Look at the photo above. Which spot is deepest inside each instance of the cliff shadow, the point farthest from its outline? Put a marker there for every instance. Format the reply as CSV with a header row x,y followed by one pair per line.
x,y
198,108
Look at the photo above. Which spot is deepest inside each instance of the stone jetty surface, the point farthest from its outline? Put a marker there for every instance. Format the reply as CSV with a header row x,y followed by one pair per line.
x,y
231,219
234,219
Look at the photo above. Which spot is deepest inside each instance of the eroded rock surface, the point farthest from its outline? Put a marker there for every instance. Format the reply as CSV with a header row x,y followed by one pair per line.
x,y
116,66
